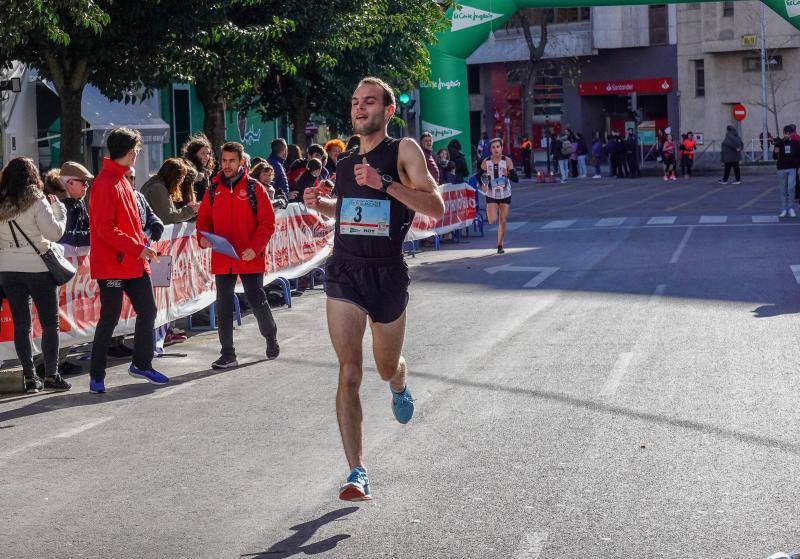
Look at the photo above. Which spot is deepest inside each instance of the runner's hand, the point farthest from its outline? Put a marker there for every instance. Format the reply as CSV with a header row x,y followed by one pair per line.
x,y
149,254
366,175
204,243
249,254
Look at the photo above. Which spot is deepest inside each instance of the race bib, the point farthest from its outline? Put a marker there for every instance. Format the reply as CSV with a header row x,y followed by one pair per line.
x,y
500,188
787,149
363,216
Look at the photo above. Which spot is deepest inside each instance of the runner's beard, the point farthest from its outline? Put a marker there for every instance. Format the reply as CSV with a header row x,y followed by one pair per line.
x,y
375,124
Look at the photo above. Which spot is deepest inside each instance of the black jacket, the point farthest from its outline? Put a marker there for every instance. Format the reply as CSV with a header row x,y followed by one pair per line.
x,y
76,232
151,225
787,153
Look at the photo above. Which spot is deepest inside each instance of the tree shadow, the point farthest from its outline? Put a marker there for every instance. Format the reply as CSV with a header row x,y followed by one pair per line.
x,y
296,543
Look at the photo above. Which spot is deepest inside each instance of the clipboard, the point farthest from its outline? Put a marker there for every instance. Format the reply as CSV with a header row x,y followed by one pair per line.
x,y
161,271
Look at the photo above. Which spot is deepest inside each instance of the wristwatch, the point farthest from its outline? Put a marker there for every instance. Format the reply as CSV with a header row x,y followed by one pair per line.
x,y
386,182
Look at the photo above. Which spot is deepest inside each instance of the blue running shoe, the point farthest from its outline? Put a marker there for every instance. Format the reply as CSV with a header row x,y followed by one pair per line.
x,y
402,405
356,488
97,386
150,375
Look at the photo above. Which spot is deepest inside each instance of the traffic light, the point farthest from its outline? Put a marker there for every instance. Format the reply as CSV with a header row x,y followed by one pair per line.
x,y
404,99
632,104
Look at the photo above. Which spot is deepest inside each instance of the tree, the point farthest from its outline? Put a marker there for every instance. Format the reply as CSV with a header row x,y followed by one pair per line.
x,y
337,43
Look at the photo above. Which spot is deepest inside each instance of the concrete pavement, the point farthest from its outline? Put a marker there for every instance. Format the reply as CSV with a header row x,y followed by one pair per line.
x,y
637,399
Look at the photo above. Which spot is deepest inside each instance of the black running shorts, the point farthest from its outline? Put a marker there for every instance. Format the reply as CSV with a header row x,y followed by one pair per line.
x,y
490,200
378,286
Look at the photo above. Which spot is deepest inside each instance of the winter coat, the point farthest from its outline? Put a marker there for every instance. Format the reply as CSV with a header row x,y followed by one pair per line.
x,y
151,225
581,147
461,170
787,152
42,221
732,147
232,217
117,238
430,161
77,231
280,182
157,195
597,149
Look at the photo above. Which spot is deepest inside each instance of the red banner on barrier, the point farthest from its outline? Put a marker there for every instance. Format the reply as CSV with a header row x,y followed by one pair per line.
x,y
459,212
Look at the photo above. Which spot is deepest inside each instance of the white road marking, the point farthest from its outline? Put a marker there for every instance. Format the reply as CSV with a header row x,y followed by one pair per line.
x,y
766,219
560,224
611,222
542,273
45,440
172,390
712,219
617,374
796,272
531,546
510,225
682,246
662,220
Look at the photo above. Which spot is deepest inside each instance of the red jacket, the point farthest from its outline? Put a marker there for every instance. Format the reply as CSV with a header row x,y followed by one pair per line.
x,y
117,238
232,217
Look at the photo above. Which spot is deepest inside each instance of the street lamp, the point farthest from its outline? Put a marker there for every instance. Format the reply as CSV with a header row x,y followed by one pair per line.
x,y
13,85
764,127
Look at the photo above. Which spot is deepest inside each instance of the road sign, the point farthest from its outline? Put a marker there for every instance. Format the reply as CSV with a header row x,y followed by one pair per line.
x,y
739,112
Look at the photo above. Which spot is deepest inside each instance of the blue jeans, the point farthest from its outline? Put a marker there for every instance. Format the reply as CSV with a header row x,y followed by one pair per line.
x,y
582,166
563,168
787,181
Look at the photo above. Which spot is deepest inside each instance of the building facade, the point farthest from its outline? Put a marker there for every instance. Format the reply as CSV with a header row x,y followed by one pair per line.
x,y
719,67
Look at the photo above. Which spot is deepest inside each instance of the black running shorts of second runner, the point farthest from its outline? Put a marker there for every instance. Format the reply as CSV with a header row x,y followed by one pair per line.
x,y
378,286
490,200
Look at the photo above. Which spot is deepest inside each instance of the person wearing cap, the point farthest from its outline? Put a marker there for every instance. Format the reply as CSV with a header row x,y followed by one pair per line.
x,y
69,183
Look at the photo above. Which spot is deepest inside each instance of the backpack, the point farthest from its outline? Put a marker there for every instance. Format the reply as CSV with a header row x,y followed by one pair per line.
x,y
251,194
566,148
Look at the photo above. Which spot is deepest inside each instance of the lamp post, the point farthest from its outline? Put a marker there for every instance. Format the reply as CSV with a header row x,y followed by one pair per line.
x,y
764,126
14,85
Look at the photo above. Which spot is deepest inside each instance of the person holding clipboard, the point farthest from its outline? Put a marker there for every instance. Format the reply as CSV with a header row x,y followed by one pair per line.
x,y
237,209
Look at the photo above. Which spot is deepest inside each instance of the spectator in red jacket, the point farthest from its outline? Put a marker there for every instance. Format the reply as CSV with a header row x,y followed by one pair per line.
x,y
238,208
119,260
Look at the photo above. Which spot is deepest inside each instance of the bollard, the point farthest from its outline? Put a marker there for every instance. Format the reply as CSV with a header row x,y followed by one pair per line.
x,y
12,381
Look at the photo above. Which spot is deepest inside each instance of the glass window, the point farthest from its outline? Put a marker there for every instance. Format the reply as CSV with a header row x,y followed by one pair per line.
x,y
753,63
659,33
181,121
727,9
473,78
699,78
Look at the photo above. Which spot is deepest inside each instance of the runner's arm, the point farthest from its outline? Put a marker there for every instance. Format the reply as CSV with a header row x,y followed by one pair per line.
x,y
422,195
323,204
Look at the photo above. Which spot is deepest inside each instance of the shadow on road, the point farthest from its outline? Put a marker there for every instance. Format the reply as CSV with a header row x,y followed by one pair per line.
x,y
75,399
296,543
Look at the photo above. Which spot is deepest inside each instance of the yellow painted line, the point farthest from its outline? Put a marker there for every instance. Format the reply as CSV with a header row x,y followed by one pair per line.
x,y
757,198
692,201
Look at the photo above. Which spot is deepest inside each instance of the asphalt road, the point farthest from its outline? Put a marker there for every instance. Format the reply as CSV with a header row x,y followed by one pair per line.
x,y
621,383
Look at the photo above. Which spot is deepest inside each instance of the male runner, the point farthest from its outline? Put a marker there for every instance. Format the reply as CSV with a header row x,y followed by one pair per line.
x,y
380,185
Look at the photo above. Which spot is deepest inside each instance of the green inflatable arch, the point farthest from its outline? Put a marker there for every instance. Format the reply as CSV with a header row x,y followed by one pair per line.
x,y
444,102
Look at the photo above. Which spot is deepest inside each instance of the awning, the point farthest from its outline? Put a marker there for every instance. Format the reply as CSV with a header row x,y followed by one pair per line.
x,y
103,115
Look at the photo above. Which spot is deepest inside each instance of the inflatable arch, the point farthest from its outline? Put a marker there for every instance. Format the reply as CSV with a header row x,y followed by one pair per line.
x,y
444,102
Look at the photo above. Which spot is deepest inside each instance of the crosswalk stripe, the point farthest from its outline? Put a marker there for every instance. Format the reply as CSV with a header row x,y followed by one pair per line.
x,y
765,219
610,222
711,219
560,224
663,220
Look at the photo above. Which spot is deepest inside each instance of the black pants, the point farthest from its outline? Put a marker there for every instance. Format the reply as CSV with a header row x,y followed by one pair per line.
x,y
20,288
736,171
254,289
526,164
140,292
686,166
633,165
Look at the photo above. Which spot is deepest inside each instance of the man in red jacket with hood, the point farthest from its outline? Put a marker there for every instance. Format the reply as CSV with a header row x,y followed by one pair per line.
x,y
119,260
238,208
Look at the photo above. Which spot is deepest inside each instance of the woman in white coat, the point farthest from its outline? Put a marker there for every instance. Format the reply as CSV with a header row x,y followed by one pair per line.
x,y
23,274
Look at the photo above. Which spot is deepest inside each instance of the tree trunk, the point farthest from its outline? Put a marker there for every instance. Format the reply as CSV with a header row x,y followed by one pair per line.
x,y
69,78
214,106
72,140
299,117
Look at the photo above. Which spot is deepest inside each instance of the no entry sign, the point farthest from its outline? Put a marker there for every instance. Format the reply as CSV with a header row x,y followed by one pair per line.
x,y
739,112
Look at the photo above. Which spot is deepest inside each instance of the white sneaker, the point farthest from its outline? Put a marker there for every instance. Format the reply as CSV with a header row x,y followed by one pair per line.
x,y
782,214
792,213
597,177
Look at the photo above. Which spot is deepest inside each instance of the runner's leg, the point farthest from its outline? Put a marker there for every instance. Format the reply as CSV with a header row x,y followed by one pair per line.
x,y
491,213
346,325
502,210
387,346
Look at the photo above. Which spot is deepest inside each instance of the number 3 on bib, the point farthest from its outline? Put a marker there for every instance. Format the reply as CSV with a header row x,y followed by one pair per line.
x,y
364,216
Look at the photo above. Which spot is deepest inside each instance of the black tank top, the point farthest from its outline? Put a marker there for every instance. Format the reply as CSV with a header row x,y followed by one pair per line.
x,y
347,239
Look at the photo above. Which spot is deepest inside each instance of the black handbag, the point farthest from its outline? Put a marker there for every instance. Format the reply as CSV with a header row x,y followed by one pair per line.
x,y
61,269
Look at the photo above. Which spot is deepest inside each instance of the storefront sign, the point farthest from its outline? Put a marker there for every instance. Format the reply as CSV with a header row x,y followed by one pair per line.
x,y
654,85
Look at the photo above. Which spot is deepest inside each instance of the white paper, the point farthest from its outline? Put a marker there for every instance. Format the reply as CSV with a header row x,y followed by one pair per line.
x,y
161,271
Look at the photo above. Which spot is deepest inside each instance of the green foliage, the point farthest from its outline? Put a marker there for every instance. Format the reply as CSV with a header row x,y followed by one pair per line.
x,y
336,44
